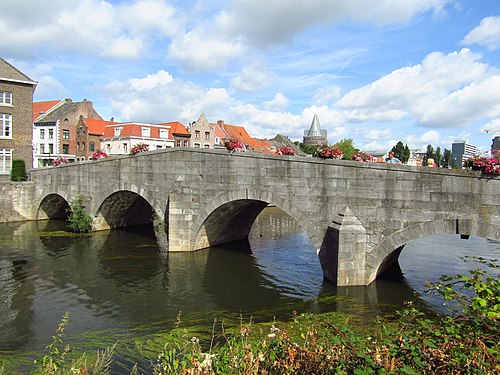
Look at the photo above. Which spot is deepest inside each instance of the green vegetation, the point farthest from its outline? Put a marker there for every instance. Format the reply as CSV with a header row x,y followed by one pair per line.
x,y
331,343
18,171
401,152
347,148
79,219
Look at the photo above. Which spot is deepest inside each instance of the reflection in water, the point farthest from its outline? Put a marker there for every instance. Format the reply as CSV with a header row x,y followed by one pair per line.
x,y
118,285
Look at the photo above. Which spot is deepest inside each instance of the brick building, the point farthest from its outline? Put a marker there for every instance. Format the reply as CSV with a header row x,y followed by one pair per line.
x,y
55,131
16,106
89,133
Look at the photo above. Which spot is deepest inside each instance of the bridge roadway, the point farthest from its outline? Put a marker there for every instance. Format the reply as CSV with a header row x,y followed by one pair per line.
x,y
358,215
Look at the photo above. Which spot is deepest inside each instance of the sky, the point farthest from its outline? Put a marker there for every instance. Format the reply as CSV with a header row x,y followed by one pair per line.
x,y
378,72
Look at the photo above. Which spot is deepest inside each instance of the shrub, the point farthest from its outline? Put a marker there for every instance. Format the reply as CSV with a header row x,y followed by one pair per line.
x,y
285,150
140,147
329,152
361,156
79,219
18,171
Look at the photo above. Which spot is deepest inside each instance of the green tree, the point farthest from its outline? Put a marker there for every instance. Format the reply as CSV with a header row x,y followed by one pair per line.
x,y
448,159
18,171
438,157
308,149
347,148
79,219
429,154
402,152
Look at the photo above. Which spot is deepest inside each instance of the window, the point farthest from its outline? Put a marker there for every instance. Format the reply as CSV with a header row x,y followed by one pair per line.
x,y
42,133
206,146
108,147
65,149
145,132
197,134
51,148
65,134
196,145
158,147
118,131
5,160
77,146
186,143
164,133
79,131
207,136
5,97
5,125
125,148
51,133
83,146
92,146
179,143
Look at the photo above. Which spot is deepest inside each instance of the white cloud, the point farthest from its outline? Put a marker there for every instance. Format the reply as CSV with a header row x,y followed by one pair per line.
x,y
252,78
87,27
279,103
151,81
493,125
486,34
160,98
444,91
430,137
326,95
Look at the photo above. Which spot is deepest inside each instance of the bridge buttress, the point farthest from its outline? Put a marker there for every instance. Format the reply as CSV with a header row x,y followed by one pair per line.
x,y
343,252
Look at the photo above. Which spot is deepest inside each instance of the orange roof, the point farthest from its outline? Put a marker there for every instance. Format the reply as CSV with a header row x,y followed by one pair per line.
x,y
176,127
40,108
219,132
95,126
132,129
240,133
264,144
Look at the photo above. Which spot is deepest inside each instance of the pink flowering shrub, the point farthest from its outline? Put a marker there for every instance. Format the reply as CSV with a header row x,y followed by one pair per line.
x,y
60,160
140,147
234,144
485,164
99,155
329,152
285,150
361,156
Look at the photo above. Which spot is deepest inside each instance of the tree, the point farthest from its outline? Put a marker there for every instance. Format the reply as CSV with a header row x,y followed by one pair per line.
x,y
438,157
448,159
429,154
402,152
347,148
79,219
308,149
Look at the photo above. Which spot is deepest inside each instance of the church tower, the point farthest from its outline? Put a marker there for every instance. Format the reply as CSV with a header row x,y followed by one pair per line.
x,y
315,136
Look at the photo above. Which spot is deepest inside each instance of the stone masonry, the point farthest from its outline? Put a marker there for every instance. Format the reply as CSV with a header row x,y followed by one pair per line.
x,y
358,215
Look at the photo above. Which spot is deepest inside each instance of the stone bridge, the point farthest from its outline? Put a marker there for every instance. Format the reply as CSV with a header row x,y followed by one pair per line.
x,y
357,215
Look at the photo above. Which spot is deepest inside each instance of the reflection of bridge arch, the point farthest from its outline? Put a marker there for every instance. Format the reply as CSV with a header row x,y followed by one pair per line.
x,y
230,216
123,209
53,206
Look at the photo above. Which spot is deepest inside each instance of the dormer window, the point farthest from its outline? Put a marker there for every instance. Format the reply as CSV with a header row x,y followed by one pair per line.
x,y
164,133
118,132
145,132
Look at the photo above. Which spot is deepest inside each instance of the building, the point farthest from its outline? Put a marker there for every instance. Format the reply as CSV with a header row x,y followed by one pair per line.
x,y
55,131
202,133
120,138
315,136
16,113
180,134
461,150
240,134
89,133
495,146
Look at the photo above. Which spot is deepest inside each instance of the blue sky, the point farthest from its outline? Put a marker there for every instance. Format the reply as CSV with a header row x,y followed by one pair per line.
x,y
422,71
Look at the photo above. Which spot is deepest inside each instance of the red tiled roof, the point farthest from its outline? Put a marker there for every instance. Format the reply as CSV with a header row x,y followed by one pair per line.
x,y
240,133
132,129
97,127
40,108
176,127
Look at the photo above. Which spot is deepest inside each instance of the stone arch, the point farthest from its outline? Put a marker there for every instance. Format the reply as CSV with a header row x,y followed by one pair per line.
x,y
122,209
385,255
230,215
52,206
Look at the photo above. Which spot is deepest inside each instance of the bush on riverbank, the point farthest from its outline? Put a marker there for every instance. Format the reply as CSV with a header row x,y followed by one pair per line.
x,y
416,343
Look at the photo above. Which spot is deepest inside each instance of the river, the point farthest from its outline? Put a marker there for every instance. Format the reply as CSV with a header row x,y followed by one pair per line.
x,y
116,285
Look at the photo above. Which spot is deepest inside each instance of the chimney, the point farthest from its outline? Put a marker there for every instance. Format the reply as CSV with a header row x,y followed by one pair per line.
x,y
220,123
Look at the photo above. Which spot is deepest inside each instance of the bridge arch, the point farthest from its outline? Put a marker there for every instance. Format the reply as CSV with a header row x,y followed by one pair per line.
x,y
230,216
52,206
123,208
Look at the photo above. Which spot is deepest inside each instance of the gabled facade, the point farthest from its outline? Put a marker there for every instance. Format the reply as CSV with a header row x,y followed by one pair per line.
x,y
54,132
120,138
202,133
16,106
89,133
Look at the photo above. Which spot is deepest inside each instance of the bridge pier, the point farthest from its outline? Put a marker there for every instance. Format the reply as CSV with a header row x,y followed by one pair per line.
x,y
343,252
